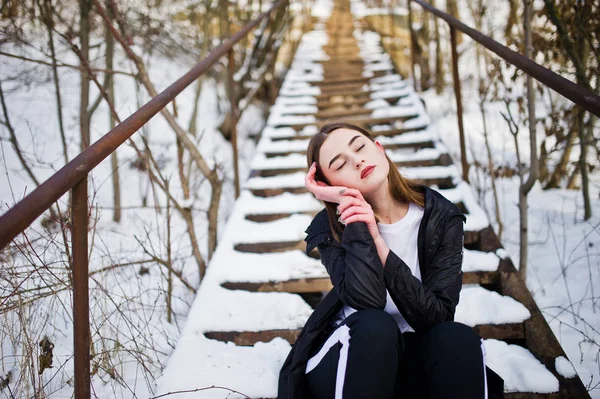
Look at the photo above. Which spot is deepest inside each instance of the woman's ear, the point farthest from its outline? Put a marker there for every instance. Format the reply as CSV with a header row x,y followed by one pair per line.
x,y
379,146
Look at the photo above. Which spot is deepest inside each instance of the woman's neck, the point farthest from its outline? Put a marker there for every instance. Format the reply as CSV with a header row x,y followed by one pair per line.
x,y
385,207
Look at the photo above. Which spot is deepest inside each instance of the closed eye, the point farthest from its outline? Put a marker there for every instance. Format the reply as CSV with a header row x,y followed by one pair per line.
x,y
342,165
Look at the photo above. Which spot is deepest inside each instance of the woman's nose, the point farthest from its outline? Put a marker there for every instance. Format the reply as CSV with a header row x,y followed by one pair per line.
x,y
359,162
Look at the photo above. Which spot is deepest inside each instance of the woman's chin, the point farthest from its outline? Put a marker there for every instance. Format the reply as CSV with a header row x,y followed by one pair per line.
x,y
366,186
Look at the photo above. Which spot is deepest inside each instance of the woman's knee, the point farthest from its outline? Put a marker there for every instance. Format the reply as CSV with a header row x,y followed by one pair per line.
x,y
374,324
451,337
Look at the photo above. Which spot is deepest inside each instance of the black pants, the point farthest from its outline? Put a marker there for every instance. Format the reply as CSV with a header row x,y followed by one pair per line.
x,y
367,357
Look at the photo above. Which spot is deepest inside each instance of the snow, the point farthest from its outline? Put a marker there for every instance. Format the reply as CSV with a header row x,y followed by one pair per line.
x,y
278,266
521,371
390,93
480,306
280,120
475,261
394,112
409,155
268,146
564,367
379,103
282,203
297,109
300,91
291,180
286,229
477,219
430,172
288,161
281,100
210,363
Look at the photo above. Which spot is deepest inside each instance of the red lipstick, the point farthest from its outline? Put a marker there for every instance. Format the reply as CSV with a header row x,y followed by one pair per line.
x,y
366,171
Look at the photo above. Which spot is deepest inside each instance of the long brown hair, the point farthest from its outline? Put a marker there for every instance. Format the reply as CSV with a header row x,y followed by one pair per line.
x,y
401,188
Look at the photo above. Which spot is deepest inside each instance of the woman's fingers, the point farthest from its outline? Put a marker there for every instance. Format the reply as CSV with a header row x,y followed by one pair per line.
x,y
353,210
346,202
357,218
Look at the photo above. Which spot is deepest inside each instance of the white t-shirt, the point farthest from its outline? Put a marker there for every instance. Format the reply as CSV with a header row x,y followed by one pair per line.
x,y
401,237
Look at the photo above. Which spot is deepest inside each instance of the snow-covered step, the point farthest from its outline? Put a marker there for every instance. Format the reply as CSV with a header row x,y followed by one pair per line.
x,y
464,193
477,306
277,149
296,162
442,176
286,229
283,203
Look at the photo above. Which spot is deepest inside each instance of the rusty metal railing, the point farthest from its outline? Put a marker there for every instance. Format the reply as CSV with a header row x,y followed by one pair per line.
x,y
581,96
73,176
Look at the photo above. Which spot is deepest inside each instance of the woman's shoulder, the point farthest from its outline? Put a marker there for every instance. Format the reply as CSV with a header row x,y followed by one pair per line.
x,y
319,223
318,230
443,205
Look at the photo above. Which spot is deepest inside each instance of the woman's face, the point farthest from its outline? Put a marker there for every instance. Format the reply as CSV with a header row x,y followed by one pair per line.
x,y
346,153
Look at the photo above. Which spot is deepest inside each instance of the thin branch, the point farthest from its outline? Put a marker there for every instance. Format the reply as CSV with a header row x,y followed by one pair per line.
x,y
77,67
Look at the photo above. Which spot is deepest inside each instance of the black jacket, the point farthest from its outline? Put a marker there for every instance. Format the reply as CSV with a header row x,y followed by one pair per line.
x,y
360,281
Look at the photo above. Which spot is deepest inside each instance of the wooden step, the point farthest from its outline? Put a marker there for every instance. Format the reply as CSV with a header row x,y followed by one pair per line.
x,y
365,122
323,284
442,160
249,338
425,143
442,183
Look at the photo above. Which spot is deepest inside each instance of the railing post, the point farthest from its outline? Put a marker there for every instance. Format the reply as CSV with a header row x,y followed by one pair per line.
x,y
459,110
81,306
392,30
234,118
413,46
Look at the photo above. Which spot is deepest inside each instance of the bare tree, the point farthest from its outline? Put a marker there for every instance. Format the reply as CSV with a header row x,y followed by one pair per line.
x,y
526,186
576,52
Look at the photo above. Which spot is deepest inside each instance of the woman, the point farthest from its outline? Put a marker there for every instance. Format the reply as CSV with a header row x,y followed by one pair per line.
x,y
393,250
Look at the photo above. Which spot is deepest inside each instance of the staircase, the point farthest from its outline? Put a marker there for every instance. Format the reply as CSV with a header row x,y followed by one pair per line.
x,y
261,287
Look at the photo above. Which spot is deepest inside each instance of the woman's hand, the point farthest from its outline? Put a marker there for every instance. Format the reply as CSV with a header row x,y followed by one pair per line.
x,y
322,190
353,208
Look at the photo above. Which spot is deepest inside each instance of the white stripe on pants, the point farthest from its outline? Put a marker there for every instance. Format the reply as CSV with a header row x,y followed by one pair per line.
x,y
485,387
342,335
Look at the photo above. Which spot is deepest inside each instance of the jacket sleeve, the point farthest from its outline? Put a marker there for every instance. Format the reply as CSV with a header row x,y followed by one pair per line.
x,y
354,266
432,301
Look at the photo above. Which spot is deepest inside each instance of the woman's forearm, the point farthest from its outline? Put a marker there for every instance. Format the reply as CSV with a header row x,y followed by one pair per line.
x,y
382,249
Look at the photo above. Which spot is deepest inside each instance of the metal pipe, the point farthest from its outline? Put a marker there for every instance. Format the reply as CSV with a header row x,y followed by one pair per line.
x,y
459,109
574,92
16,219
234,116
81,306
413,42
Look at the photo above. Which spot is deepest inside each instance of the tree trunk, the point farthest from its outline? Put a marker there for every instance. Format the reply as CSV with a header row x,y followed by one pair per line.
x,y
525,188
561,169
452,9
110,92
84,37
439,57
49,22
424,61
213,217
580,47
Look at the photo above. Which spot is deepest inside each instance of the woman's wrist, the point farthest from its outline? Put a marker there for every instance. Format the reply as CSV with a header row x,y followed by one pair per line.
x,y
382,249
